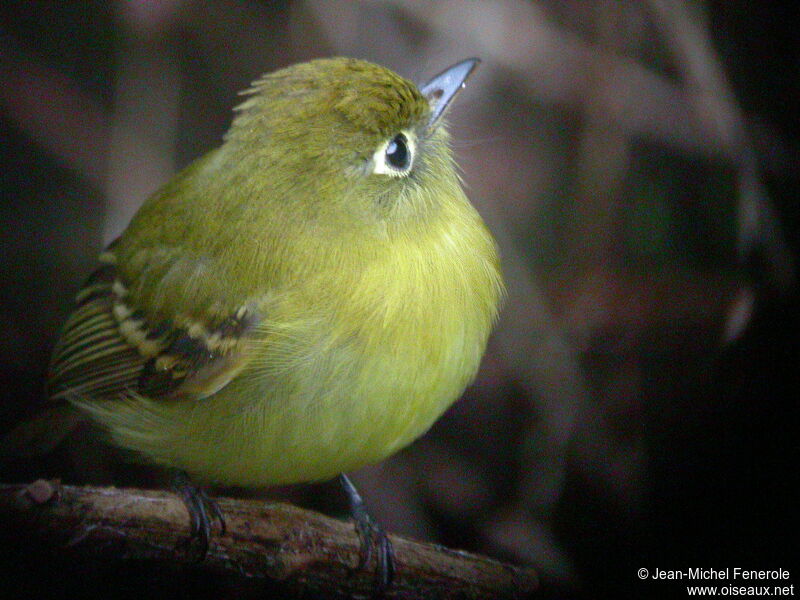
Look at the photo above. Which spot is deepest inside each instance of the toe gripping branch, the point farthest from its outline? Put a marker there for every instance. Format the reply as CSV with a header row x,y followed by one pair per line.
x,y
372,537
203,510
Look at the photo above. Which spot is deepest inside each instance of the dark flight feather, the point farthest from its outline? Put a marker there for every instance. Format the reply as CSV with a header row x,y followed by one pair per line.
x,y
109,349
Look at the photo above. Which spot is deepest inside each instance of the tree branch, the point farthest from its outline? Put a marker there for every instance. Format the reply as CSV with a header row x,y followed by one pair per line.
x,y
301,551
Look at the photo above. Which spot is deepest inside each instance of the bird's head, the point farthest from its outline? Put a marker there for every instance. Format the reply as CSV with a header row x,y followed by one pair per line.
x,y
348,141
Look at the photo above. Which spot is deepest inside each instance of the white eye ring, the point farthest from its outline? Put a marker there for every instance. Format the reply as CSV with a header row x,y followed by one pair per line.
x,y
400,149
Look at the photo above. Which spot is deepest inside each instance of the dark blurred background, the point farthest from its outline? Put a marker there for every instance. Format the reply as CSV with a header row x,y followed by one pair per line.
x,y
638,164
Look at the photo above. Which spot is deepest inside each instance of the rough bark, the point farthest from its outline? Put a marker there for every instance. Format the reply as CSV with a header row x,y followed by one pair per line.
x,y
300,552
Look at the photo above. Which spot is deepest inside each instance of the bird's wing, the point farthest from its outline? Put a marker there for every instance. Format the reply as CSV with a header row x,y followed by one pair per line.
x,y
111,348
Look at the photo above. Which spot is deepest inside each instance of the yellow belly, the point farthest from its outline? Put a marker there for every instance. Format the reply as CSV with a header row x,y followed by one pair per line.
x,y
334,421
337,382
308,415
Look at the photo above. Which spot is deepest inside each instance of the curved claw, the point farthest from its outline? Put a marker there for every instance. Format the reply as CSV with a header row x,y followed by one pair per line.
x,y
210,505
386,560
364,529
372,537
199,505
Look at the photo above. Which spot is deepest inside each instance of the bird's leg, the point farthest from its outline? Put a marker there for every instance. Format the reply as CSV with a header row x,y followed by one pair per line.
x,y
371,535
202,511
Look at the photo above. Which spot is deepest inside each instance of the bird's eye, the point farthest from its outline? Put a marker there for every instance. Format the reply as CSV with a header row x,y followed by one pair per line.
x,y
395,157
397,154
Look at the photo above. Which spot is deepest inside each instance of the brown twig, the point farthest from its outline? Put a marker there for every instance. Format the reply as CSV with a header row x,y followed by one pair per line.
x,y
301,551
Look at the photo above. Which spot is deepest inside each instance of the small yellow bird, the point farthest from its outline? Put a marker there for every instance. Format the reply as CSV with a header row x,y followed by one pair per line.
x,y
304,300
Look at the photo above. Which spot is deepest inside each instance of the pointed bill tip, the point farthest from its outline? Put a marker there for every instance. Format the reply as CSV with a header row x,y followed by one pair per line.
x,y
441,90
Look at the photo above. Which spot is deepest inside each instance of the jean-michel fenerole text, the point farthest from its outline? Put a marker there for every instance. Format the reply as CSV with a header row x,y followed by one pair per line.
x,y
727,574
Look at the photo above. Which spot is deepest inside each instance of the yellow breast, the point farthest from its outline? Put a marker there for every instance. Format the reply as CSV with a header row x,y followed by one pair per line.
x,y
343,379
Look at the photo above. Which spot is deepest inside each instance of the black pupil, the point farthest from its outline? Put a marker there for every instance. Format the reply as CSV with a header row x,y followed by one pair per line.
x,y
397,152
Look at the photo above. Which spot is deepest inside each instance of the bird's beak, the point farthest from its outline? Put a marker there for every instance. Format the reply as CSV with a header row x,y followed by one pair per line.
x,y
441,90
